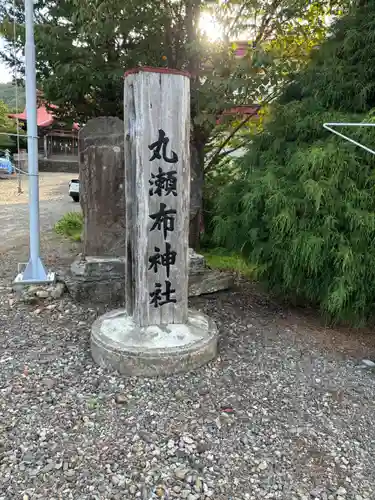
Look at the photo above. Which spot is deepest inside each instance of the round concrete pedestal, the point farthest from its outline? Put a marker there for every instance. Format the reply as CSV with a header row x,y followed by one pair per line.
x,y
119,344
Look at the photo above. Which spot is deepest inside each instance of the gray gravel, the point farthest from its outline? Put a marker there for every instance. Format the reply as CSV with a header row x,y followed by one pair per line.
x,y
301,426
302,403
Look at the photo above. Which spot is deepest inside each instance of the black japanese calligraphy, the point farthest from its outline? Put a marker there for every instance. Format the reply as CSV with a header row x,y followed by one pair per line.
x,y
163,181
161,143
166,259
164,219
159,298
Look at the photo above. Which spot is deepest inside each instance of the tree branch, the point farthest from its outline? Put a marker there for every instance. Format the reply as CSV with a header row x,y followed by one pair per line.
x,y
168,35
226,141
226,153
234,22
266,20
224,156
236,129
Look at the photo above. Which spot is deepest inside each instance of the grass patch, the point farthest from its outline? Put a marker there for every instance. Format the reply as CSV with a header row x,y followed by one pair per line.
x,y
70,226
221,260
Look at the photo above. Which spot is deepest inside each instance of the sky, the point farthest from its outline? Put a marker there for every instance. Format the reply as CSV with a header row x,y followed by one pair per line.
x,y
5,74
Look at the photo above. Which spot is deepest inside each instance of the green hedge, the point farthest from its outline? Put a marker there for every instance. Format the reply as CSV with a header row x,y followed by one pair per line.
x,y
303,209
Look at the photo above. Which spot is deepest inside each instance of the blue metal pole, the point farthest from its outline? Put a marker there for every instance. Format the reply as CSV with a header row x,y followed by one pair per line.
x,y
34,271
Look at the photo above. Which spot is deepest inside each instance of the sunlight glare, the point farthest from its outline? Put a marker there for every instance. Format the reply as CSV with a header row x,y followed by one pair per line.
x,y
210,26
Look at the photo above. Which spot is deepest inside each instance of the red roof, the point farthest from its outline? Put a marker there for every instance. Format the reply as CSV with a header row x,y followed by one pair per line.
x,y
243,110
250,111
44,117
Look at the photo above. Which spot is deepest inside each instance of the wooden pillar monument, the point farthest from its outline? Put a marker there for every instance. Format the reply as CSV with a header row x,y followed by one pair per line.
x,y
156,333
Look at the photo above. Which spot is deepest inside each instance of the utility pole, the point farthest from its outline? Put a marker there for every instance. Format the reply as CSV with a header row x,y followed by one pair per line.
x,y
34,272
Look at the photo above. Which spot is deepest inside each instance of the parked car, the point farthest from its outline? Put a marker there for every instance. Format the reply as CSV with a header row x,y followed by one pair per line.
x,y
74,189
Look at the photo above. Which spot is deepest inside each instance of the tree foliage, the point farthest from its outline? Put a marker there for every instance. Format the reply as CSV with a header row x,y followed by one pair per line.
x,y
303,207
83,49
8,130
8,96
3,115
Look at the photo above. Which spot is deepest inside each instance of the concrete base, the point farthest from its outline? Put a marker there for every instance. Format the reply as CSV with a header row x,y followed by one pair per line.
x,y
119,344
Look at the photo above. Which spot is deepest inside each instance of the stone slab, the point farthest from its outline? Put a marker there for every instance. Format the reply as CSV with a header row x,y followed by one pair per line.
x,y
118,344
99,267
197,263
110,292
209,281
101,280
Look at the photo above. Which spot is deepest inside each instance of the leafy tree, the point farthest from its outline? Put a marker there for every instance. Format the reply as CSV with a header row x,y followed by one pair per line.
x,y
8,95
6,127
3,114
8,131
303,206
84,47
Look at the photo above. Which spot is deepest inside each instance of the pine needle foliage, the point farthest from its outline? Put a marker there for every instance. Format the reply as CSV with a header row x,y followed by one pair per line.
x,y
303,208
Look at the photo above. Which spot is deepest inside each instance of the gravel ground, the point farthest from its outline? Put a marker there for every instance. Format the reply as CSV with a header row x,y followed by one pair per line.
x,y
299,425
285,411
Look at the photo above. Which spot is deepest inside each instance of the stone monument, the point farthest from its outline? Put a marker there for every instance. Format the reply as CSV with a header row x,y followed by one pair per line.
x,y
98,274
101,176
156,333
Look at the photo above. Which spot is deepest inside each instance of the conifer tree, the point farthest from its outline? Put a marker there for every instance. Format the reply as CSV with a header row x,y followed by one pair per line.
x,y
303,206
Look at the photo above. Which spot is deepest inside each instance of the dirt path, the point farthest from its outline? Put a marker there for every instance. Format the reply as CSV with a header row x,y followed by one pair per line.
x,y
14,218
14,208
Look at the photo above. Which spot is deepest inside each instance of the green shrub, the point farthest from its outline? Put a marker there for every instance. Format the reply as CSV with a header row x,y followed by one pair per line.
x,y
303,209
215,180
70,225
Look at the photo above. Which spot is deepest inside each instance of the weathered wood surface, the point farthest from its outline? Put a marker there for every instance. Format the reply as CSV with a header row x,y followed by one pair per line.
x,y
101,160
156,101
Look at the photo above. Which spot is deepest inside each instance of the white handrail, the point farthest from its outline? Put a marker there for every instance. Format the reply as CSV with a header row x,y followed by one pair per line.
x,y
328,126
